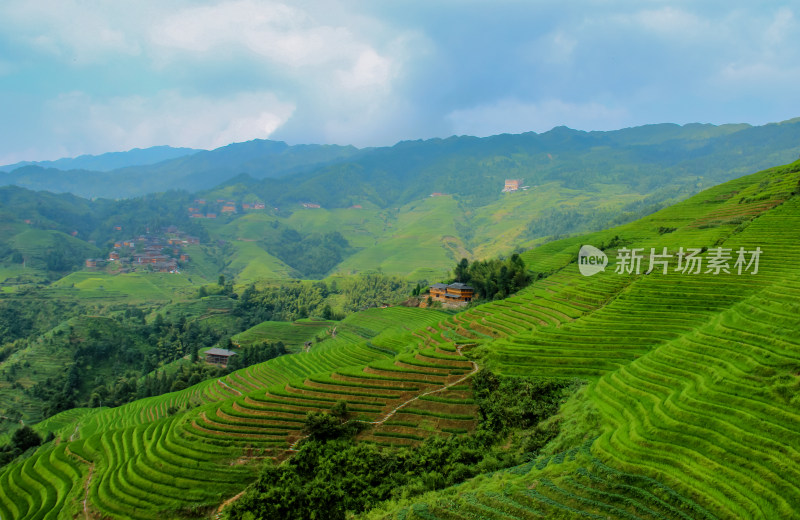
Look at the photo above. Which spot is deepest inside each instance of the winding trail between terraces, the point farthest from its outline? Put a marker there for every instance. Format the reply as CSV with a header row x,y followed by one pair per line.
x,y
389,414
88,481
223,383
293,447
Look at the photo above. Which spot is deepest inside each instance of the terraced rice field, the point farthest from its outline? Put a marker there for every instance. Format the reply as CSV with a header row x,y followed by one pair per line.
x,y
693,380
290,334
690,411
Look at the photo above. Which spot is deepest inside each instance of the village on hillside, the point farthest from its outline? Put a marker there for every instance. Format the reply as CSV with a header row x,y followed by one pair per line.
x,y
203,208
160,252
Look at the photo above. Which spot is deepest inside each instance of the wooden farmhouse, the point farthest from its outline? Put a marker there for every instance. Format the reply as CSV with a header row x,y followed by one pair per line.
x,y
455,293
219,356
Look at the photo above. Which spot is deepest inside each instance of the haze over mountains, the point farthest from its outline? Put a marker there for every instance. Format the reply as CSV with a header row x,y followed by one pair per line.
x,y
652,153
110,160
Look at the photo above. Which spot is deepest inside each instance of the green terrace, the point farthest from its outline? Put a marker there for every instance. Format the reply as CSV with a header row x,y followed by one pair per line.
x,y
689,411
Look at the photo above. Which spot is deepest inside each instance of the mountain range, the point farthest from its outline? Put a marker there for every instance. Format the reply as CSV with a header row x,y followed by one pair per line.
x,y
641,157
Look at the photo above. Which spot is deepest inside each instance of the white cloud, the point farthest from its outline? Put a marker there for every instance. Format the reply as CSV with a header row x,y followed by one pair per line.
x,y
278,33
766,60
341,69
670,21
85,125
514,116
77,31
369,70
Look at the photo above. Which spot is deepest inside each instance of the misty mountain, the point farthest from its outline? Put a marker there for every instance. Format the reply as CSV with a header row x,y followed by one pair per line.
x,y
663,161
109,161
640,159
196,171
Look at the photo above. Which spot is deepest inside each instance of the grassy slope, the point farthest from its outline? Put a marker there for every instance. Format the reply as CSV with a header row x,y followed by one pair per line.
x,y
246,257
689,412
499,226
413,242
292,334
134,287
419,240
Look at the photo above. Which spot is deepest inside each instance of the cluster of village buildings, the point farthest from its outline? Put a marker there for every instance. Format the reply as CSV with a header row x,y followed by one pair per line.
x,y
225,206
162,252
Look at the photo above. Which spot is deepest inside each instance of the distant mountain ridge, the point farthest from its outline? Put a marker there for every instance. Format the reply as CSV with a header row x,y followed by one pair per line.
x,y
196,171
109,161
642,158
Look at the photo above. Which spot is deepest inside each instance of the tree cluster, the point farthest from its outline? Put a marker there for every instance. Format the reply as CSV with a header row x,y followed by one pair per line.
x,y
22,440
290,301
493,279
128,346
253,354
312,255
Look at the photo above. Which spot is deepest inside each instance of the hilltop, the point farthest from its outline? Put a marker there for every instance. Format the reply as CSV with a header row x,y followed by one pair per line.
x,y
678,395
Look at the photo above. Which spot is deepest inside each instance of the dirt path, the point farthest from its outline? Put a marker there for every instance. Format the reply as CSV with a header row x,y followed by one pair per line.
x,y
74,433
227,503
389,414
293,447
88,481
223,383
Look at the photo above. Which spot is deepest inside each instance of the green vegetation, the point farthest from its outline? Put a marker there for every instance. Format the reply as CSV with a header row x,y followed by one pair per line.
x,y
493,279
331,475
620,395
22,440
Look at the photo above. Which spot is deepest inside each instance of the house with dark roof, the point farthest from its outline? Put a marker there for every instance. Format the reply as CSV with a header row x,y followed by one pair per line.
x,y
219,356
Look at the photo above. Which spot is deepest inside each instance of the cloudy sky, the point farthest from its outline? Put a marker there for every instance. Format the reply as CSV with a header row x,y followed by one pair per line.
x,y
91,76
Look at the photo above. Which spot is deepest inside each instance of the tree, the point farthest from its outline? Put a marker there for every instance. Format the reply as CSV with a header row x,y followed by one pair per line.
x,y
24,438
462,271
332,425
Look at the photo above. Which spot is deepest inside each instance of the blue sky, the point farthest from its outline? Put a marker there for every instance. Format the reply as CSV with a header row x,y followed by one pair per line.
x,y
88,76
